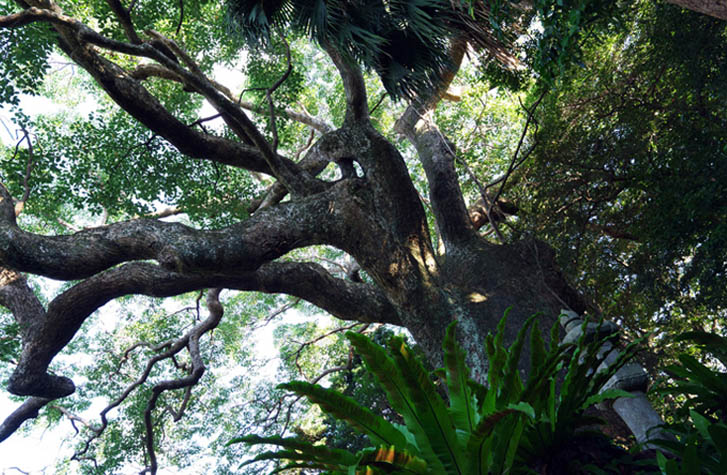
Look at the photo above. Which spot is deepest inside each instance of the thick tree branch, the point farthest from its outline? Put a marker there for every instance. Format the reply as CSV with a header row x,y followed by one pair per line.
x,y
295,179
714,8
267,235
357,107
75,39
28,410
124,17
437,155
67,312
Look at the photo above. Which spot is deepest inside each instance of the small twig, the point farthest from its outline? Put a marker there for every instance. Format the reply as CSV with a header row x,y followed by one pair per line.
x,y
514,163
29,165
277,312
326,372
273,88
68,225
486,198
307,145
334,263
19,470
378,103
196,303
146,145
313,341
199,122
177,415
181,16
74,418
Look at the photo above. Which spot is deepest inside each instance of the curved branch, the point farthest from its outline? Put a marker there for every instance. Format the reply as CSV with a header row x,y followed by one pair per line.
x,y
189,340
284,169
267,235
67,312
215,315
75,39
28,410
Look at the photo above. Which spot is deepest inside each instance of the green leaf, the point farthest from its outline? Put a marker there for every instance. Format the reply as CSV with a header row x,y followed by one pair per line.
x,y
312,452
391,459
460,395
435,420
701,423
718,433
710,379
388,375
612,393
513,384
480,443
538,354
343,408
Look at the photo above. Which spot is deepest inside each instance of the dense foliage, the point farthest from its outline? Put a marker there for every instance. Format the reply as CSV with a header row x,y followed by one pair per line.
x,y
596,126
508,426
628,179
452,424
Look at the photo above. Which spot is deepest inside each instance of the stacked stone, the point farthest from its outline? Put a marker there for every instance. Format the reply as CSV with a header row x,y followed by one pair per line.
x,y
637,412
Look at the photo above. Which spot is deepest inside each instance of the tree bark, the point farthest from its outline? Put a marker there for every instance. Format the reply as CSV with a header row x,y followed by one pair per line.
x,y
715,8
377,218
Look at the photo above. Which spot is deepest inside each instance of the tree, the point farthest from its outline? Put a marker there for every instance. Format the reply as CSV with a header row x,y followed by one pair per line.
x,y
423,261
715,8
626,182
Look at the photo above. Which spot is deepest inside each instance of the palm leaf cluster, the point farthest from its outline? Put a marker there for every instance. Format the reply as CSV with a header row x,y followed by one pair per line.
x,y
406,42
498,428
701,425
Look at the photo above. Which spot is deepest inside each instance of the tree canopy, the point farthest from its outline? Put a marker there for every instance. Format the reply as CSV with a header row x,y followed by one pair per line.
x,y
204,180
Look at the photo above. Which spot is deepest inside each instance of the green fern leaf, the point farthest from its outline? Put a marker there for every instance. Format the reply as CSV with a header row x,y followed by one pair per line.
x,y
343,408
320,452
392,459
462,403
435,421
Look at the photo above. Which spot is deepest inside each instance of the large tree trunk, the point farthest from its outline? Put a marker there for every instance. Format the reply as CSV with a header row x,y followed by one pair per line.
x,y
715,8
483,282
377,218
